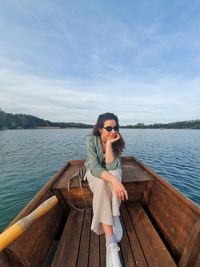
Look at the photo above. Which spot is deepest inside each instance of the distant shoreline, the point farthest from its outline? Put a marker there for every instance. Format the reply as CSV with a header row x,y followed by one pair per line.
x,y
23,121
79,128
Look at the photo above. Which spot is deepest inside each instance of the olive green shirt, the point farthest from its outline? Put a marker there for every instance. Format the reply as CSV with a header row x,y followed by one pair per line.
x,y
95,159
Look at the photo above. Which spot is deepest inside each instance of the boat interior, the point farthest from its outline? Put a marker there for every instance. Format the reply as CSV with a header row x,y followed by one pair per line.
x,y
161,227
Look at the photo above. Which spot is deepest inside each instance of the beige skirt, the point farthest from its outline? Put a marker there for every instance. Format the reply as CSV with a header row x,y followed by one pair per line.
x,y
105,203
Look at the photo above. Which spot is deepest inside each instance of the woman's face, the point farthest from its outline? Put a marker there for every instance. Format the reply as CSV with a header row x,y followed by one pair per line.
x,y
105,134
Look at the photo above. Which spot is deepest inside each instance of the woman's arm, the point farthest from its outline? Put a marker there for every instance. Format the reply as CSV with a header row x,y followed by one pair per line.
x,y
107,176
109,153
92,162
118,187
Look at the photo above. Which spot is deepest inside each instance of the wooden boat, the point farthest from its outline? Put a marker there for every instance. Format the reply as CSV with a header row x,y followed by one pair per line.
x,y
161,226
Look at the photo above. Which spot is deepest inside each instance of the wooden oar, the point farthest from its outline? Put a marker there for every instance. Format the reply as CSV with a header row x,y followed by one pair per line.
x,y
15,230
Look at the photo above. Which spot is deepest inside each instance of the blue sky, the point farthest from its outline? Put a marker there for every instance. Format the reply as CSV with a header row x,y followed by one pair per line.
x,y
72,60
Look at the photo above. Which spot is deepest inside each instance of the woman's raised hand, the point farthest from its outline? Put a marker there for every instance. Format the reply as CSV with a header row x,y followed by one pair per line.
x,y
112,140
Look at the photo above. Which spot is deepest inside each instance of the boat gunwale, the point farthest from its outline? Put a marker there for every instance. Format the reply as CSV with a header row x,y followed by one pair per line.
x,y
46,189
186,200
31,205
55,178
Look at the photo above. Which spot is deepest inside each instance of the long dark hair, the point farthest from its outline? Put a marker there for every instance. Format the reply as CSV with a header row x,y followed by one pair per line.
x,y
117,146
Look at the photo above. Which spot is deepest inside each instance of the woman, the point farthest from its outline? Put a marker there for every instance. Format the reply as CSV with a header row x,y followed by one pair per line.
x,y
104,148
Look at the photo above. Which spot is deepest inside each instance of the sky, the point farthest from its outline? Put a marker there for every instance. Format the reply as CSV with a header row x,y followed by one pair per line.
x,y
70,61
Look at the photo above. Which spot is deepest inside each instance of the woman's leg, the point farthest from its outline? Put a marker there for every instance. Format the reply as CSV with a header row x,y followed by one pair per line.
x,y
105,203
117,227
108,229
101,204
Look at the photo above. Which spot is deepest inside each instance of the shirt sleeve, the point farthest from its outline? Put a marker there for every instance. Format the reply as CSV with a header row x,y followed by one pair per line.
x,y
115,164
93,163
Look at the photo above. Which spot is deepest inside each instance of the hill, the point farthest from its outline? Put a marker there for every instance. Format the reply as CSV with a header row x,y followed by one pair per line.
x,y
23,121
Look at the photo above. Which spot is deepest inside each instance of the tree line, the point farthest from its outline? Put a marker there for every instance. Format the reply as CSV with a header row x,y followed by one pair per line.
x,y
23,121
192,124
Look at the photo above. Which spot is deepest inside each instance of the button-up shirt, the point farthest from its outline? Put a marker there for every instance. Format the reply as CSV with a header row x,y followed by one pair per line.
x,y
95,162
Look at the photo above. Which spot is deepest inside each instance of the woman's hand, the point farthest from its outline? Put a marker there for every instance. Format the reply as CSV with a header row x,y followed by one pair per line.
x,y
120,190
111,140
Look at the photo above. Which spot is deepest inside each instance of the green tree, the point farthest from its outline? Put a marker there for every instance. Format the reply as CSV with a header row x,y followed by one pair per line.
x,y
140,125
2,119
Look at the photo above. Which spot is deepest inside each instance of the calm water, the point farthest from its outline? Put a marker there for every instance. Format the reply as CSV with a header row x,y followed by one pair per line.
x,y
28,158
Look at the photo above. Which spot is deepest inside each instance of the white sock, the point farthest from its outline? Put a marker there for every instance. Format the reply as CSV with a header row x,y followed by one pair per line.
x,y
110,239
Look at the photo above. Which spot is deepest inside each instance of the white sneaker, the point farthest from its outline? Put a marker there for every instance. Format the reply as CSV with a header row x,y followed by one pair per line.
x,y
112,255
117,229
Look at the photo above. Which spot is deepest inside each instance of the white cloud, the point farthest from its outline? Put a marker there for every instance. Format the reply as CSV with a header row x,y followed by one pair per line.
x,y
70,62
158,99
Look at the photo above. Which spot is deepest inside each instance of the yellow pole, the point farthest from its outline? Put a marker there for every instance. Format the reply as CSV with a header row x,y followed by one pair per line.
x,y
15,230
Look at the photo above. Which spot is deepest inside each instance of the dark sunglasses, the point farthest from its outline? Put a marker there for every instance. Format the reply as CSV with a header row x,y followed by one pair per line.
x,y
109,128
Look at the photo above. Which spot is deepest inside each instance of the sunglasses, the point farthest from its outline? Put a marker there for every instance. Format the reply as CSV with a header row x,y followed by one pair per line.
x,y
110,128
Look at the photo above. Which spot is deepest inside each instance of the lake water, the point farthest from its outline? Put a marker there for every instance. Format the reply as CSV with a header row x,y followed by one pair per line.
x,y
28,158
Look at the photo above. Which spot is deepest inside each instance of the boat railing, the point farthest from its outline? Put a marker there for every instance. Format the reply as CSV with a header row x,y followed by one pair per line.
x,y
15,230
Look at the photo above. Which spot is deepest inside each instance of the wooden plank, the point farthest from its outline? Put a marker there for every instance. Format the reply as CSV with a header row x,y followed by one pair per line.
x,y
147,193
62,182
69,172
44,235
67,251
120,255
136,249
102,251
17,256
94,257
76,196
83,257
154,249
126,250
131,172
197,261
77,162
62,201
135,192
51,254
134,173
192,248
174,219
4,260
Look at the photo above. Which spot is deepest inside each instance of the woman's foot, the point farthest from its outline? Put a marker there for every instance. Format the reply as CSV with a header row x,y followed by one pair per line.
x,y
112,255
117,229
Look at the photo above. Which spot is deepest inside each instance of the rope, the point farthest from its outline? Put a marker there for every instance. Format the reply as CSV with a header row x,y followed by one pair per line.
x,y
81,174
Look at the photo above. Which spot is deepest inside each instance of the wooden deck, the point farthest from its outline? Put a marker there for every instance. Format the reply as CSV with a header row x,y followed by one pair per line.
x,y
141,244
